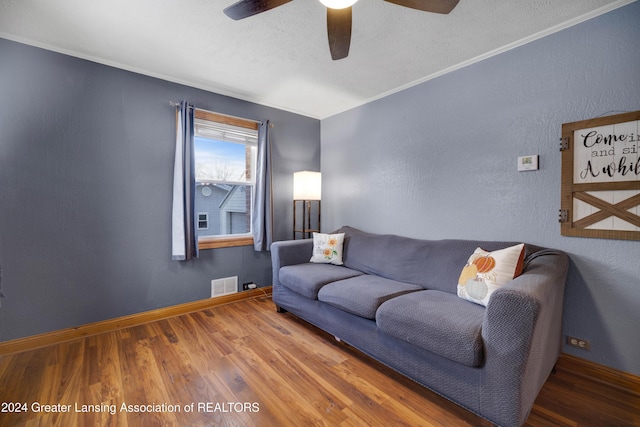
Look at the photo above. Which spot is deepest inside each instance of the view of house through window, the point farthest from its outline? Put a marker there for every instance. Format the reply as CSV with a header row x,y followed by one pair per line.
x,y
225,166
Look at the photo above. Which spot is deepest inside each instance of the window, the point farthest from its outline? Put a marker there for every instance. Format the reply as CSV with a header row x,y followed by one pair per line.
x,y
225,157
203,220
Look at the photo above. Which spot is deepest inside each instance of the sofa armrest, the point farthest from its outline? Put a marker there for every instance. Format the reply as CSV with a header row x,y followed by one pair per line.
x,y
522,331
535,296
289,252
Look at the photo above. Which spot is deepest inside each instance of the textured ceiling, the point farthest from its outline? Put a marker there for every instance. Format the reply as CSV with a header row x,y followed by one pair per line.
x,y
280,58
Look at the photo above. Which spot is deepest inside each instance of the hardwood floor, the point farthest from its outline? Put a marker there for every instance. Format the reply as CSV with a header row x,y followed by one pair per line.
x,y
243,364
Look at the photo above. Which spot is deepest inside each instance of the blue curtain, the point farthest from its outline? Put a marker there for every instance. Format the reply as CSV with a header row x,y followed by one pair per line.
x,y
1,294
262,203
184,245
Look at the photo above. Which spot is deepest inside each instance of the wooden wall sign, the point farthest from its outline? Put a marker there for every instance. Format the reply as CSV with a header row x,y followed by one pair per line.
x,y
601,177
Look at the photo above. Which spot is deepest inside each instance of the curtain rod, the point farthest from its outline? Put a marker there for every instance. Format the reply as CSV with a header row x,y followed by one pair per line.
x,y
177,104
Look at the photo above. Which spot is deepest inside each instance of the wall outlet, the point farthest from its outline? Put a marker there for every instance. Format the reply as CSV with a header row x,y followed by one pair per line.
x,y
249,285
577,342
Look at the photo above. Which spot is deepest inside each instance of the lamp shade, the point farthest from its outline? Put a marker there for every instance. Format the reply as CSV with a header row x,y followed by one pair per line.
x,y
338,4
307,185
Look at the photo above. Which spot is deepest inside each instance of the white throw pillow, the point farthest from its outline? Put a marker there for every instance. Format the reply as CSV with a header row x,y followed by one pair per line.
x,y
327,248
486,272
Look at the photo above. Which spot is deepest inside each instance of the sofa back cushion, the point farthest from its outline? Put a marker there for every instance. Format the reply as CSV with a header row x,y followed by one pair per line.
x,y
432,264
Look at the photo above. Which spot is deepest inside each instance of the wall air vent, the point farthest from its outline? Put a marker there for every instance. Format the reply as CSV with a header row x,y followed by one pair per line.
x,y
225,286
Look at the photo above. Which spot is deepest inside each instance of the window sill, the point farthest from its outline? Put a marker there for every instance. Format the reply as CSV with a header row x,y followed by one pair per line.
x,y
224,242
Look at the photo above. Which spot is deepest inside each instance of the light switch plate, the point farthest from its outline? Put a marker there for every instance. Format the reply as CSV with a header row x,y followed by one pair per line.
x,y
528,163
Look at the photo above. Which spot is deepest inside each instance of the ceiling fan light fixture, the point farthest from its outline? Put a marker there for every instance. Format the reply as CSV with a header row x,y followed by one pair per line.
x,y
339,16
338,4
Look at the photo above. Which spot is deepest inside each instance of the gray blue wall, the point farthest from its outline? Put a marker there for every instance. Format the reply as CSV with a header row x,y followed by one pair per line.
x,y
439,161
86,166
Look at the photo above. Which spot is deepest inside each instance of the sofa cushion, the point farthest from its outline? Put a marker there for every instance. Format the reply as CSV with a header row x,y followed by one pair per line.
x,y
362,295
432,264
307,279
485,272
436,321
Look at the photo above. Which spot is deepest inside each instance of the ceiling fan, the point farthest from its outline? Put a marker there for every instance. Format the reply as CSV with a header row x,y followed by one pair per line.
x,y
338,16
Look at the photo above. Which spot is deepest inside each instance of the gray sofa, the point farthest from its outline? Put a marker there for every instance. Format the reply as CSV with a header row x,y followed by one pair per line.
x,y
395,299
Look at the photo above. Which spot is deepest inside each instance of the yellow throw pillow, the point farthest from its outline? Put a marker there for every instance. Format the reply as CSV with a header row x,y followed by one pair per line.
x,y
327,248
486,272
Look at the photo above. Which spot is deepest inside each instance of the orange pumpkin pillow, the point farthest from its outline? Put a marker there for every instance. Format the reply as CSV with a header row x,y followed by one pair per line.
x,y
485,272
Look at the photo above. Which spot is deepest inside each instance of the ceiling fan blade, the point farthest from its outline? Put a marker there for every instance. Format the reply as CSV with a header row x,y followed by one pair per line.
x,y
246,8
435,6
339,32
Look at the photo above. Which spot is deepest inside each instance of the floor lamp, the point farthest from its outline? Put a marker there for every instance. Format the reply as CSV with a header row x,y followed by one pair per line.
x,y
306,189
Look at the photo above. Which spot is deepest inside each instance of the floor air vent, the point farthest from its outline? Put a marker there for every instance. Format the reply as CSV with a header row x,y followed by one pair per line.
x,y
225,286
